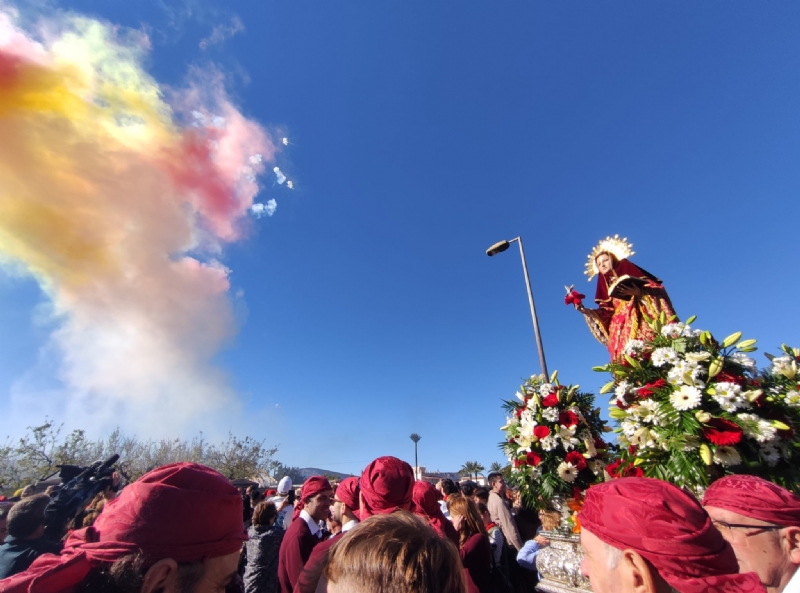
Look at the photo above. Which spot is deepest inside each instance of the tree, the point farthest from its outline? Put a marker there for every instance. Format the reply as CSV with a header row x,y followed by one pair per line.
x,y
415,437
279,470
471,467
496,467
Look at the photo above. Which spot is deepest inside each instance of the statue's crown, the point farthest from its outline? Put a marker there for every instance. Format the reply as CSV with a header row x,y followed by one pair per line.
x,y
619,248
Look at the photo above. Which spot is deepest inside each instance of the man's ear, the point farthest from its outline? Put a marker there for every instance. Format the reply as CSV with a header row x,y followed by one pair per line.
x,y
161,577
791,535
636,573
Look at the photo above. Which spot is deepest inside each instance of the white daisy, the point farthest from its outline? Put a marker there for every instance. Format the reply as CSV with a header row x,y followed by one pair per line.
x,y
686,372
549,443
770,454
688,332
729,396
742,359
687,397
550,414
633,347
567,471
629,427
662,356
727,456
545,389
672,330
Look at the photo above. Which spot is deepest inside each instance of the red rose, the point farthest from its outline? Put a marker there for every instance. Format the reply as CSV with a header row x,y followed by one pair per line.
x,y
621,404
722,432
613,468
725,377
550,401
576,459
533,459
600,443
568,418
541,431
518,463
633,472
645,391
577,493
632,449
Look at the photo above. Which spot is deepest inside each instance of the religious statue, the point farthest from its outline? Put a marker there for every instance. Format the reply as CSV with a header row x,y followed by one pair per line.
x,y
627,297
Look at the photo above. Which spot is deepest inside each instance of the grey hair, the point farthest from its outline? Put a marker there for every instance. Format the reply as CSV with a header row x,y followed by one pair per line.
x,y
614,555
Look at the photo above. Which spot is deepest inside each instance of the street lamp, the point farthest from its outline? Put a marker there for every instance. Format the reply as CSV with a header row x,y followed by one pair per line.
x,y
500,248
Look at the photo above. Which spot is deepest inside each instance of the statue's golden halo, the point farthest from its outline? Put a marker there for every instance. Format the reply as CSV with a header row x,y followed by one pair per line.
x,y
620,248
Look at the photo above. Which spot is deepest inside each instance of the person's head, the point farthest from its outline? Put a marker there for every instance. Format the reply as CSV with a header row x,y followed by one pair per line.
x,y
641,535
291,497
468,488
386,485
26,518
481,494
176,529
394,553
346,501
4,508
284,486
761,521
264,514
465,517
497,483
550,520
449,487
316,498
28,491
606,262
255,496
483,511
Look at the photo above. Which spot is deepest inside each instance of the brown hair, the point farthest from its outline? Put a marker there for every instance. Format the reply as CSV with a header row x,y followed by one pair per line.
x,y
396,553
550,519
472,523
27,516
264,513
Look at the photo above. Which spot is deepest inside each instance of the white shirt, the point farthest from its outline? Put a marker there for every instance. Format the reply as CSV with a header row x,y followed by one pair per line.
x,y
793,586
313,527
284,516
349,525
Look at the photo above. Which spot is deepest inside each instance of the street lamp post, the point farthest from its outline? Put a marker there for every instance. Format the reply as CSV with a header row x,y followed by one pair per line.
x,y
499,248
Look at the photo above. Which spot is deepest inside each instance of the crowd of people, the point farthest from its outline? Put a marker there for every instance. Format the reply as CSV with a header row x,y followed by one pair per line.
x,y
185,528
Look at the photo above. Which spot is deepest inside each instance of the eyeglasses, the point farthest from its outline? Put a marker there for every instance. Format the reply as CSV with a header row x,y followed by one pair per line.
x,y
722,525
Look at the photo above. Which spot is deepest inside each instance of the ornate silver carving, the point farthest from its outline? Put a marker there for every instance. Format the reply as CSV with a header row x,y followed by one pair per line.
x,y
560,565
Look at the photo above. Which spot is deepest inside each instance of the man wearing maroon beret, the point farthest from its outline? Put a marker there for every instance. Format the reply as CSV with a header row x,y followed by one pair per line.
x,y
641,535
303,535
761,521
344,510
177,528
386,485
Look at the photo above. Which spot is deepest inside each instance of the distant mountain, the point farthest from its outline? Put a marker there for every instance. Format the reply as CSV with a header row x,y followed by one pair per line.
x,y
307,472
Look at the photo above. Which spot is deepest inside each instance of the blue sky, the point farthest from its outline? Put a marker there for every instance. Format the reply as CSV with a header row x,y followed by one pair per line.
x,y
423,132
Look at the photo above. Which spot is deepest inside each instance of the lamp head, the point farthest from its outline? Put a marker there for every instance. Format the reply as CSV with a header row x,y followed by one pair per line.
x,y
497,248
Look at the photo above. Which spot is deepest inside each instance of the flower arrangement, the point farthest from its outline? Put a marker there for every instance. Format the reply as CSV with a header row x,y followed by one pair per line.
x,y
553,440
691,409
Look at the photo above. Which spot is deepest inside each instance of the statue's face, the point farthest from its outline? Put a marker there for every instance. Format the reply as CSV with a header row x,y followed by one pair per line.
x,y
604,263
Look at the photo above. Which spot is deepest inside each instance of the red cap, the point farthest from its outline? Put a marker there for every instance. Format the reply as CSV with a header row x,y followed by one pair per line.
x,y
670,529
184,511
386,485
754,497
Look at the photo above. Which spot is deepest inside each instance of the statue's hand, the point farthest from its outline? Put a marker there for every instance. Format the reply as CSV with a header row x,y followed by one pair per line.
x,y
631,291
580,307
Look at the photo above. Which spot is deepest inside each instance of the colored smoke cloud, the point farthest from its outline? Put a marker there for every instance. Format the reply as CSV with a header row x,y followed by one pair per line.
x,y
117,196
